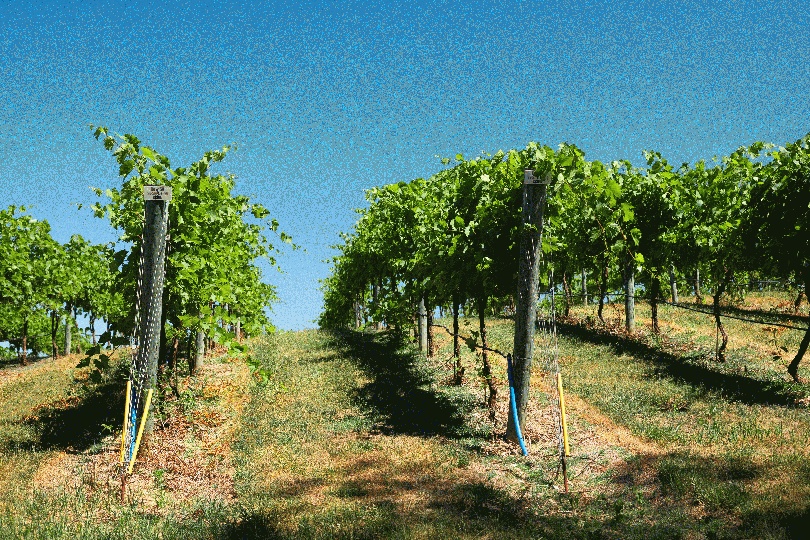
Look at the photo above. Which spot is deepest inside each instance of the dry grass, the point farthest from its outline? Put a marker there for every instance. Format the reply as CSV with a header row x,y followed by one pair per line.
x,y
187,462
355,436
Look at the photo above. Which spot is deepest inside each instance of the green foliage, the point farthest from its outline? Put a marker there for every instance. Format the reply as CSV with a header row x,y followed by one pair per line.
x,y
93,280
31,273
778,225
454,235
713,209
215,238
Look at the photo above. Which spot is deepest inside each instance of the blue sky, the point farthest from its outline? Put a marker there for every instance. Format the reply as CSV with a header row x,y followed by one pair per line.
x,y
327,99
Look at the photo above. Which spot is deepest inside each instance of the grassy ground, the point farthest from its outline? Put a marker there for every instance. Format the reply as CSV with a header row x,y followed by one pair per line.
x,y
732,438
59,457
355,435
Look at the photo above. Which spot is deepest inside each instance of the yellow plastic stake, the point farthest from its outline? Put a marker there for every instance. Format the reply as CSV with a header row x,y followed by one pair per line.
x,y
140,430
562,415
126,421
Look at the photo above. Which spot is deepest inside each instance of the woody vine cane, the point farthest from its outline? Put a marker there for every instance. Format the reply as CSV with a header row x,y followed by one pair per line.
x,y
146,338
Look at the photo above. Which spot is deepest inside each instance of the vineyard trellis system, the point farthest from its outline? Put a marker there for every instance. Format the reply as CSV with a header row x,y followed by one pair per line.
x,y
455,237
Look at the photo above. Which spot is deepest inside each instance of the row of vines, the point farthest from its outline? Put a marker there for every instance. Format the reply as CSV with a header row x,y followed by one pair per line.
x,y
213,286
45,284
452,239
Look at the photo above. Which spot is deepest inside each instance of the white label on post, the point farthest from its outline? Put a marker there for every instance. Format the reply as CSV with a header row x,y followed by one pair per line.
x,y
530,178
157,193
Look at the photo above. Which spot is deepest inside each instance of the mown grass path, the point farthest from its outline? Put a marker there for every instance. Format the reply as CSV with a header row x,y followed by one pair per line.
x,y
354,441
359,438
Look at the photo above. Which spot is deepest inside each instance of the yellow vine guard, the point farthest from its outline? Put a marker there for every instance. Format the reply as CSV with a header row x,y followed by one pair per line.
x,y
140,430
562,414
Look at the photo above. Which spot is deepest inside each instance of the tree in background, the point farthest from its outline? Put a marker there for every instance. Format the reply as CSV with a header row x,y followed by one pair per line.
x,y
29,266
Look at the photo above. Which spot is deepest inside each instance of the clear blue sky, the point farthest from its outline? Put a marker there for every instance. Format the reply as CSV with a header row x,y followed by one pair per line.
x,y
325,100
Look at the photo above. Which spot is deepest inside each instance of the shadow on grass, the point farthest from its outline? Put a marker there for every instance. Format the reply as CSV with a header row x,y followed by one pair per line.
x,y
688,370
468,509
75,425
765,316
405,492
14,362
471,509
795,524
721,486
399,395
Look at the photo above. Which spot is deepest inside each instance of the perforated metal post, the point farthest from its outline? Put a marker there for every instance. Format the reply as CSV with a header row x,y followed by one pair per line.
x,y
534,195
156,208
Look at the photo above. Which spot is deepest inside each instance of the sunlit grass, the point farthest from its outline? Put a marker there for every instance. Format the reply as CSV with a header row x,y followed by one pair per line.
x,y
358,436
326,457
57,451
731,435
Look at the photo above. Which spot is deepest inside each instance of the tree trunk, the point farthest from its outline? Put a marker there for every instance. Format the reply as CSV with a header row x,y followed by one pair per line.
x,y
655,292
673,284
793,368
798,302
93,328
584,279
190,343
698,295
566,294
458,371
173,374
54,328
721,287
630,297
175,348
487,369
602,292
430,335
209,340
79,348
199,352
68,329
24,357
375,295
